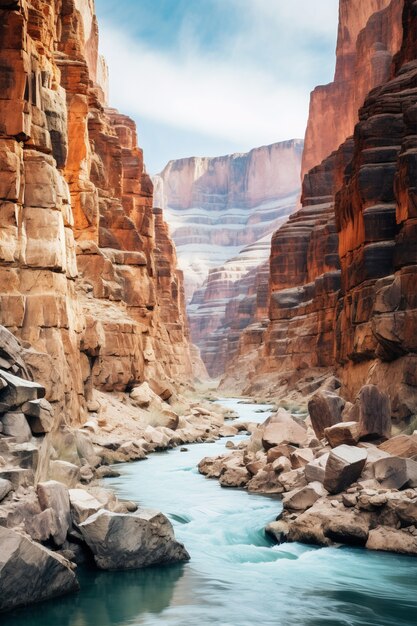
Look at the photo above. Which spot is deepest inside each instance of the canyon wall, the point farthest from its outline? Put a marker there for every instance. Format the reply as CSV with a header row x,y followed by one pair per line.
x,y
342,299
369,34
222,212
217,206
88,276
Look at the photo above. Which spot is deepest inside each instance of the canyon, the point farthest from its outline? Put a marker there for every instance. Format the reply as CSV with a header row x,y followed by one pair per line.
x,y
306,302
222,212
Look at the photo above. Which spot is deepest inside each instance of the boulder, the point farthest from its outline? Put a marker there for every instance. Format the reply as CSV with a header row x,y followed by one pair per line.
x,y
401,445
392,540
143,395
18,391
300,458
25,455
372,409
40,415
5,488
293,480
85,448
395,472
54,496
83,505
64,472
344,466
132,540
15,425
162,388
304,498
19,477
342,433
31,573
282,428
278,531
283,449
315,470
325,409
281,464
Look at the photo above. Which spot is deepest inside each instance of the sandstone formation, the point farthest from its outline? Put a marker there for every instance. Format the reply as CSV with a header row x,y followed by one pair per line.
x,y
88,272
222,212
369,35
341,268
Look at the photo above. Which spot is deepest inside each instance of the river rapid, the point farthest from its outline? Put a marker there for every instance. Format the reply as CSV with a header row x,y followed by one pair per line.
x,y
236,576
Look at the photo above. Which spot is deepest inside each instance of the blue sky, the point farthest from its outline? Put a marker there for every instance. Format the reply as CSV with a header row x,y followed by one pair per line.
x,y
210,77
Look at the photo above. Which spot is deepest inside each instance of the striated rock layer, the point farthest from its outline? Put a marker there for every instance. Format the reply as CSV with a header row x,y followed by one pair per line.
x,y
342,286
222,212
87,270
369,35
217,206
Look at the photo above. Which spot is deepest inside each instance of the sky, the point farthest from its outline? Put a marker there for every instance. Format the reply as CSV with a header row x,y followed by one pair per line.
x,y
212,77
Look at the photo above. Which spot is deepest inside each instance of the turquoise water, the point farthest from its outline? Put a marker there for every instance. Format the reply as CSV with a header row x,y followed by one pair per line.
x,y
235,576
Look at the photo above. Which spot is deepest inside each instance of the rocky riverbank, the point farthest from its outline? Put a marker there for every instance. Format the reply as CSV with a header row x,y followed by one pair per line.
x,y
54,513
344,475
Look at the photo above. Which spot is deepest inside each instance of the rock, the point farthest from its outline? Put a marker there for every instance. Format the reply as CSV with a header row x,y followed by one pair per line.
x,y
396,472
85,448
5,488
344,466
18,477
283,449
315,470
40,415
228,431
325,409
349,499
401,445
372,409
281,464
293,480
64,472
86,473
163,389
83,505
304,498
54,496
278,531
211,466
300,458
282,428
26,455
18,391
105,471
31,573
347,526
391,540
143,395
15,425
343,433
132,540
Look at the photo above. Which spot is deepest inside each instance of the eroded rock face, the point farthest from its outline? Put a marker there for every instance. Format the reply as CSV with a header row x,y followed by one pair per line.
x,y
222,212
88,275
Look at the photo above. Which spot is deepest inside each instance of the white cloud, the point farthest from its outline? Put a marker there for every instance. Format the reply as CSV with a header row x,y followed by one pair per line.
x,y
253,89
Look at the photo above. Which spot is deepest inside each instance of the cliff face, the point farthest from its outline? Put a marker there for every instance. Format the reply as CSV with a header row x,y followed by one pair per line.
x,y
342,268
222,212
86,265
217,206
369,35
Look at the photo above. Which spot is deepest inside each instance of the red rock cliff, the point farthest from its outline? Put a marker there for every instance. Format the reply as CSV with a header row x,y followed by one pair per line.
x,y
369,35
85,265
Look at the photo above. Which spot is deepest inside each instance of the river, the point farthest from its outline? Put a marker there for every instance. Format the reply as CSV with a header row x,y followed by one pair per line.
x,y
236,577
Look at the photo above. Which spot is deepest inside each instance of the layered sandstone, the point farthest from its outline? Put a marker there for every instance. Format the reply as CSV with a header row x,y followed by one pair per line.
x,y
369,35
87,269
217,206
342,268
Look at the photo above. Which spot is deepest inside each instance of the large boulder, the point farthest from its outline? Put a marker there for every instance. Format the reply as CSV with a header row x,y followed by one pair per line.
x,y
304,498
18,391
83,505
132,540
143,395
64,472
282,428
342,433
325,409
54,496
395,472
30,573
40,415
316,469
344,466
15,425
392,540
372,409
401,445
